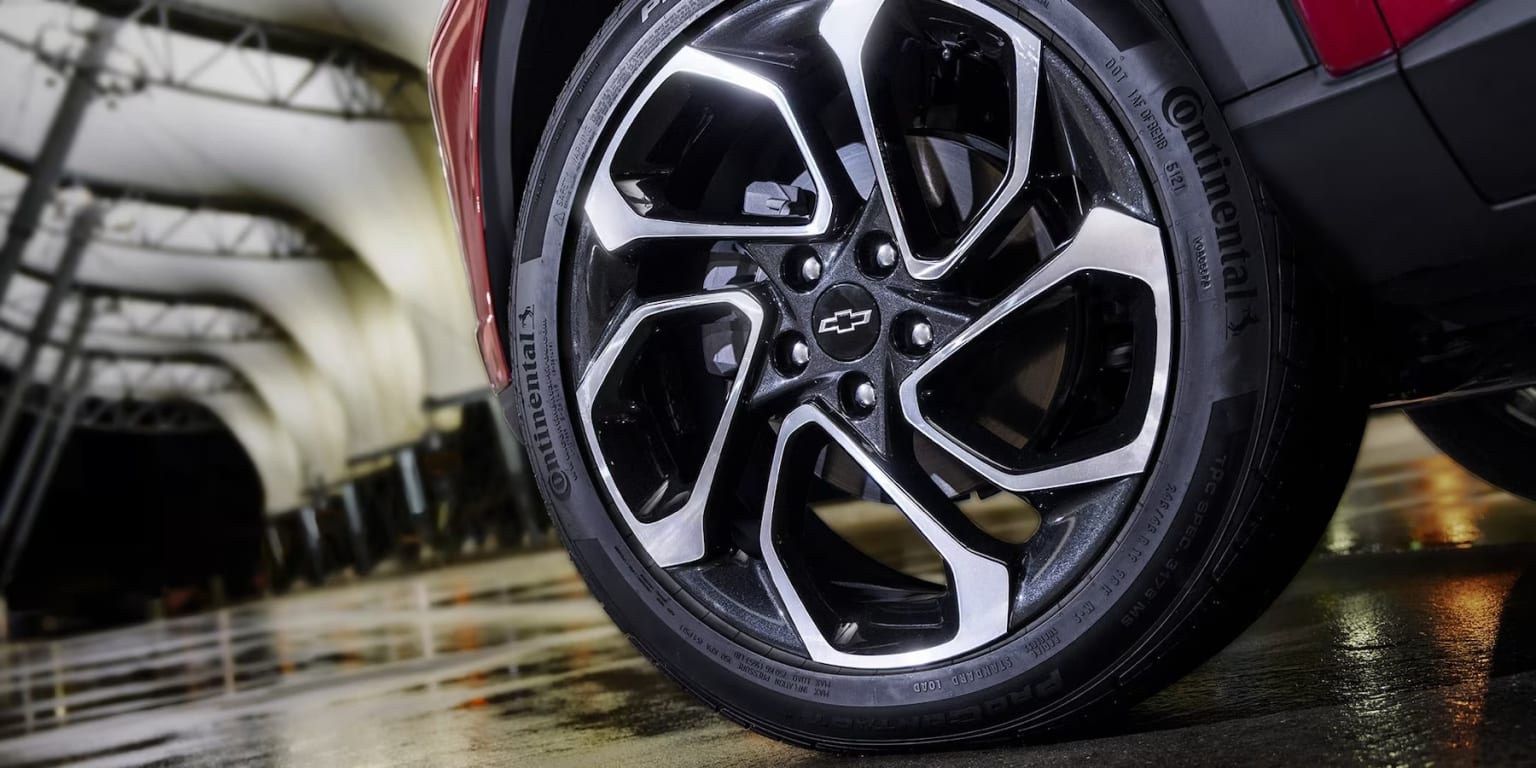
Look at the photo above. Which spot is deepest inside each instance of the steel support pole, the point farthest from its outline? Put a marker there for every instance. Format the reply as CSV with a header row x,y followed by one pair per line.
x,y
48,169
410,475
309,524
61,435
58,392
416,502
354,510
279,556
84,227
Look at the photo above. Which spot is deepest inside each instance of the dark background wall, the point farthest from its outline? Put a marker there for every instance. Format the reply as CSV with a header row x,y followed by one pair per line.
x,y
132,518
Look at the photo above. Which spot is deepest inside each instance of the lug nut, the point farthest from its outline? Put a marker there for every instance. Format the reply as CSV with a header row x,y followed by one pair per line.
x,y
879,256
794,354
920,334
810,270
799,353
913,334
803,269
864,396
859,395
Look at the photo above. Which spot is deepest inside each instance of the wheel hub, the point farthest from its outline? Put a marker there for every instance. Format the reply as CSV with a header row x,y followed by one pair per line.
x,y
847,321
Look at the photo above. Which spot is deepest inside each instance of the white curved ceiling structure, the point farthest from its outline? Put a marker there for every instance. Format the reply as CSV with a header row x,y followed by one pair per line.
x,y
334,315
289,413
372,317
270,446
401,27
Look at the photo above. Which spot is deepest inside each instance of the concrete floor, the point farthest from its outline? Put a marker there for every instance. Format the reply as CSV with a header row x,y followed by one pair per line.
x,y
1409,639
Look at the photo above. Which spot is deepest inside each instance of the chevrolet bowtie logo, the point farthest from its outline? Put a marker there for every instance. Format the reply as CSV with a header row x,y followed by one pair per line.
x,y
845,321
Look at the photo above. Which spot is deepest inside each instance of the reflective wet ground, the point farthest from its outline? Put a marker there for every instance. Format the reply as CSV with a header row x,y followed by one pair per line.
x,y
1409,639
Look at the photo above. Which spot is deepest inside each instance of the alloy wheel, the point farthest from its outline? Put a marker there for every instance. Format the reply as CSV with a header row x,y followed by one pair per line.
x,y
868,255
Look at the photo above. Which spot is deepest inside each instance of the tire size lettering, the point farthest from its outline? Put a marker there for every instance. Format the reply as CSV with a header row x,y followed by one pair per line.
x,y
1084,611
1160,513
1112,581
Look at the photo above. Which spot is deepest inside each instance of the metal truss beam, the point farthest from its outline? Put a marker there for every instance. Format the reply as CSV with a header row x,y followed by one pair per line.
x,y
172,223
283,67
147,417
130,372
128,415
152,319
116,356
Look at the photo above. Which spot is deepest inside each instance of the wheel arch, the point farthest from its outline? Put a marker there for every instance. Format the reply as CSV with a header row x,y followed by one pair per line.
x,y
519,87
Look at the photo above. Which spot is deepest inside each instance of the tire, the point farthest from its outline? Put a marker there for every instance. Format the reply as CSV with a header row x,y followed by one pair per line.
x,y
1492,436
1258,431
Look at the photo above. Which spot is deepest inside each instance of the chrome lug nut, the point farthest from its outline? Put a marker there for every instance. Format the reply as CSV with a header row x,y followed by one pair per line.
x,y
810,270
794,354
859,395
799,354
879,256
802,268
864,396
912,334
920,335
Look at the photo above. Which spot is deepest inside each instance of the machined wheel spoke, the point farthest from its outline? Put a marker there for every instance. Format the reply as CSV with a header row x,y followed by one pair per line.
x,y
1108,242
679,536
1071,527
846,27
980,580
616,222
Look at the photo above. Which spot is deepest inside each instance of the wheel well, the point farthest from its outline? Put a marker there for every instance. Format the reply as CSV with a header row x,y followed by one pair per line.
x,y
563,29
519,86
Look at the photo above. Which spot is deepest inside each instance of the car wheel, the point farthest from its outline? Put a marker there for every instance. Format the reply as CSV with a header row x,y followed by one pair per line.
x,y
916,372
1492,436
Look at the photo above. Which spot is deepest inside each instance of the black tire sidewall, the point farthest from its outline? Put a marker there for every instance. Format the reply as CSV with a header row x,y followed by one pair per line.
x,y
1183,522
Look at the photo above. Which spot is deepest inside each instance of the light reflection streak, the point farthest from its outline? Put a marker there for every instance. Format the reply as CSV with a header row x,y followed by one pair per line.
x,y
1469,611
1429,502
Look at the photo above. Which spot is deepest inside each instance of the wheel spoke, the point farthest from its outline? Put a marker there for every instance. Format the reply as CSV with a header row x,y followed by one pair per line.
x,y
846,28
980,581
1108,242
1071,527
678,537
617,224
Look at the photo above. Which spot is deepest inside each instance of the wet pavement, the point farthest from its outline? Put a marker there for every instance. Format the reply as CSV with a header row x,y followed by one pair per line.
x,y
1409,639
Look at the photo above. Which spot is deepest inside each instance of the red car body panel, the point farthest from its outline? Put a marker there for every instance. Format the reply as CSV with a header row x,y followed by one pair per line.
x,y
455,74
1411,19
1349,34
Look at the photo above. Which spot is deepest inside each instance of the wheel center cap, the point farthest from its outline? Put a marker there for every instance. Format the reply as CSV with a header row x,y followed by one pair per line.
x,y
846,322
